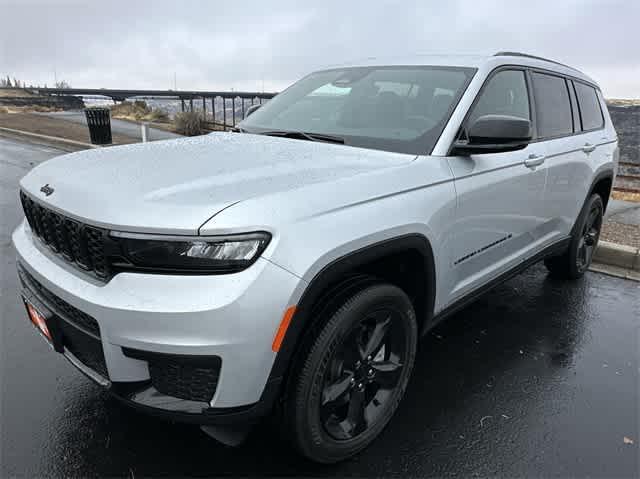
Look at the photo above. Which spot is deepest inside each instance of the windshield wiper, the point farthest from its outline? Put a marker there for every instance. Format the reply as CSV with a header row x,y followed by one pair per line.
x,y
301,135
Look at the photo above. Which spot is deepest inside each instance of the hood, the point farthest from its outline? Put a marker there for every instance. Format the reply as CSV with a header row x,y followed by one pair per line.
x,y
175,186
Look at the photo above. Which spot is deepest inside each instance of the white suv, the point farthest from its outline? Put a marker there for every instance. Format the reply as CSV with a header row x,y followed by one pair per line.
x,y
291,266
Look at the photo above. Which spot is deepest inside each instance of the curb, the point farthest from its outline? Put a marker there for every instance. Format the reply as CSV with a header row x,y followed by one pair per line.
x,y
48,138
617,255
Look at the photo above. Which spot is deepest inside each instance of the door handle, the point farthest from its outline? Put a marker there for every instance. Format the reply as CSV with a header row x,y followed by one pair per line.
x,y
534,160
588,147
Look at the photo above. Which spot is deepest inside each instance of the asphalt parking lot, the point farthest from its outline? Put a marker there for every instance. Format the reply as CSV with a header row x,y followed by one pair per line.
x,y
537,378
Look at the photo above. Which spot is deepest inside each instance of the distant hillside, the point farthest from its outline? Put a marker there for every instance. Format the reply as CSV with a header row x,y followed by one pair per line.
x,y
625,115
18,99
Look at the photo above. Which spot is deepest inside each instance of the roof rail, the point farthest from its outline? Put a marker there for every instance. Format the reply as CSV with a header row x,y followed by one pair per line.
x,y
526,55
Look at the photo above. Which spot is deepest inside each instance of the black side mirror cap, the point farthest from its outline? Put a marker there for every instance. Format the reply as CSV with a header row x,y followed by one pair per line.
x,y
495,134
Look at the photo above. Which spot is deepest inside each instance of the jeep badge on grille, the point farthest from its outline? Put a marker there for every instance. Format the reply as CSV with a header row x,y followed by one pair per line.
x,y
47,190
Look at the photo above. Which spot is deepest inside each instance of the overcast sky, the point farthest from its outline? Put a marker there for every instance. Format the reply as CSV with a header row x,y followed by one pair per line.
x,y
256,44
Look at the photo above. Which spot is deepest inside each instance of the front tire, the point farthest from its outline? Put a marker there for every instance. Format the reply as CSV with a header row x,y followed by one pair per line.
x,y
354,374
577,259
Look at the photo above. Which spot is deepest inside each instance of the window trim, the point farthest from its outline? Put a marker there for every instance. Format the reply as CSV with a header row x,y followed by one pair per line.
x,y
573,97
603,124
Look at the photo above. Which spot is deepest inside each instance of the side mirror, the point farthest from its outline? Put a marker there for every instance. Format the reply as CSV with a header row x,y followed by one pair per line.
x,y
251,110
495,134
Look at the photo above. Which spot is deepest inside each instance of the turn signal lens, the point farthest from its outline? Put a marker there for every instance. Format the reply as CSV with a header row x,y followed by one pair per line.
x,y
282,329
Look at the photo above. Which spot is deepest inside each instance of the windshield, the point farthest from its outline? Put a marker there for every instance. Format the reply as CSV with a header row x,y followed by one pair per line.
x,y
401,109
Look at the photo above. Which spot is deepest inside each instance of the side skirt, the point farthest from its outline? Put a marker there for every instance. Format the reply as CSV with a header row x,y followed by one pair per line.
x,y
556,248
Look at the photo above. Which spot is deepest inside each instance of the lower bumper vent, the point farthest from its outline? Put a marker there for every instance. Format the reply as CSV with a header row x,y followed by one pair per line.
x,y
193,378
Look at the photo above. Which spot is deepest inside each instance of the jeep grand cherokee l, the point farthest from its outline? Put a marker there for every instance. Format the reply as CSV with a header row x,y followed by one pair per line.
x,y
290,266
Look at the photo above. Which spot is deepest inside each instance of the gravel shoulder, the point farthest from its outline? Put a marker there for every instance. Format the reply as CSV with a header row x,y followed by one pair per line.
x,y
622,223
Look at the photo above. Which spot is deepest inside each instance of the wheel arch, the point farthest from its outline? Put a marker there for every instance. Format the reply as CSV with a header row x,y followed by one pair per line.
x,y
353,271
602,184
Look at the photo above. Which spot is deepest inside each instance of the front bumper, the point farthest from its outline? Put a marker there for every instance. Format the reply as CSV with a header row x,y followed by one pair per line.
x,y
144,318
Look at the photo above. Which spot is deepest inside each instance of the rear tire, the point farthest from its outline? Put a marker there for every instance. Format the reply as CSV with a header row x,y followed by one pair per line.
x,y
577,259
353,376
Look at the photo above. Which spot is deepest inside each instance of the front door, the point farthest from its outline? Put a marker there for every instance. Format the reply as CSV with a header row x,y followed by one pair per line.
x,y
500,217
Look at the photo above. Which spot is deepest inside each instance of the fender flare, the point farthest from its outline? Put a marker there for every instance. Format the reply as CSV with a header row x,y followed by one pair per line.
x,y
602,175
339,268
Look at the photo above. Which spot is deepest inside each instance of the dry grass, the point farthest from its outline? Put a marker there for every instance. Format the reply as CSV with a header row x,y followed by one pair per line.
x,y
625,196
138,111
28,109
9,93
189,123
623,102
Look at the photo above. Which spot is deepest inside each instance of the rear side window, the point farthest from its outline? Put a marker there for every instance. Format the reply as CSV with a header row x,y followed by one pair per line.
x,y
590,111
505,94
553,109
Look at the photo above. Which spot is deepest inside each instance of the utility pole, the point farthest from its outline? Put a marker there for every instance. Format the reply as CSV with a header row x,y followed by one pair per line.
x,y
175,87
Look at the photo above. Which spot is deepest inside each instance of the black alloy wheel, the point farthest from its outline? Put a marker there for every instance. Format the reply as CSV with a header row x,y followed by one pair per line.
x,y
353,371
575,261
589,238
363,373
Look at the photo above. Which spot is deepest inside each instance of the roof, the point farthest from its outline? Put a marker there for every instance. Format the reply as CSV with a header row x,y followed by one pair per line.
x,y
481,62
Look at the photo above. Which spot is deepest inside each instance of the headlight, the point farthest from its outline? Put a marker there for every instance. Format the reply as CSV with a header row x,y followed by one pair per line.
x,y
214,254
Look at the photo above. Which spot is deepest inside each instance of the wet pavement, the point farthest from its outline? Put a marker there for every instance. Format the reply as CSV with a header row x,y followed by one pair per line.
x,y
537,378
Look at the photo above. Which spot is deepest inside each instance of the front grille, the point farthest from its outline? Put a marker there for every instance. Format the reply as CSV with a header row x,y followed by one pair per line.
x,y
194,378
80,332
77,243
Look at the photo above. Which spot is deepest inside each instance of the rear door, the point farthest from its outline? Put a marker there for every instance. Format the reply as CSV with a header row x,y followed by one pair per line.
x,y
560,127
500,208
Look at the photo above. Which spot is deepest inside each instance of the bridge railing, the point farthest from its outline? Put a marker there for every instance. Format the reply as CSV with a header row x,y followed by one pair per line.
x,y
220,109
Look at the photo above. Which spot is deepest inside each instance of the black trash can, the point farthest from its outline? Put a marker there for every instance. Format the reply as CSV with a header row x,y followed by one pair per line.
x,y
99,122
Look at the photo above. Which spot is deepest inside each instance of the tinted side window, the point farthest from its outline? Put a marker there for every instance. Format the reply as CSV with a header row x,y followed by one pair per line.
x,y
505,94
553,110
590,111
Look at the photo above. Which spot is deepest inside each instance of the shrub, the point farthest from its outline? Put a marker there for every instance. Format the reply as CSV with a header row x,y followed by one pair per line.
x,y
158,115
189,123
138,111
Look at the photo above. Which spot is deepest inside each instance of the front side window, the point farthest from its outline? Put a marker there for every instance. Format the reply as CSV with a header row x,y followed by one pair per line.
x,y
553,109
504,94
400,108
590,111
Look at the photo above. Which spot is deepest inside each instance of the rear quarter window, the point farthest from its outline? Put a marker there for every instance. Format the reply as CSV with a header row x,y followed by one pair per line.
x,y
590,111
553,109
